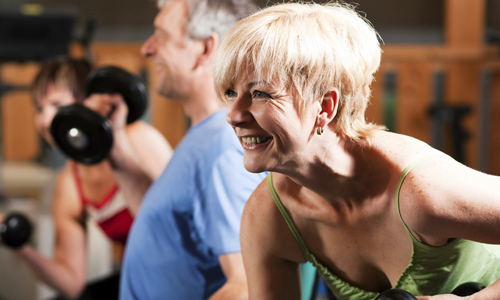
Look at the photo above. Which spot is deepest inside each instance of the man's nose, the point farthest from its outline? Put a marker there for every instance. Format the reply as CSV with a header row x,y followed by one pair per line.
x,y
147,48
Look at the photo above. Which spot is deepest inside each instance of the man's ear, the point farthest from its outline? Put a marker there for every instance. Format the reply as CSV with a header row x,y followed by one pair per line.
x,y
207,49
329,105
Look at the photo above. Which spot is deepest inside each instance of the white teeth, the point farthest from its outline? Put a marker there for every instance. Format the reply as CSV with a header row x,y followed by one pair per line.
x,y
254,140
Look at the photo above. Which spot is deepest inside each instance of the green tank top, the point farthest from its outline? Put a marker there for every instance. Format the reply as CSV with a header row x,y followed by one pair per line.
x,y
432,270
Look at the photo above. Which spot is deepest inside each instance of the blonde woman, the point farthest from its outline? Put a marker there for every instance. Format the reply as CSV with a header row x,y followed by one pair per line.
x,y
370,208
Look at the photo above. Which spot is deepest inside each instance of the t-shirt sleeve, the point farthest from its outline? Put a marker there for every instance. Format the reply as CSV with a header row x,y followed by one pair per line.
x,y
228,188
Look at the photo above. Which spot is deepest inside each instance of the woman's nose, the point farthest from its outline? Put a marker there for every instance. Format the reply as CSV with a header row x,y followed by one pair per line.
x,y
238,112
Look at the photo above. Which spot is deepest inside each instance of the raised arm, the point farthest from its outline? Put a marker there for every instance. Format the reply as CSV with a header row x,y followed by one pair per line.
x,y
449,200
139,153
66,271
270,252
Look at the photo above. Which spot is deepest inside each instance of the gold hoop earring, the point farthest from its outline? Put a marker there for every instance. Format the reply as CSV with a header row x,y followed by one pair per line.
x,y
319,130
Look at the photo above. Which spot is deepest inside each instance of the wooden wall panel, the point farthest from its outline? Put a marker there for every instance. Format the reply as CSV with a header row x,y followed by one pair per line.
x,y
494,131
374,111
19,139
464,22
127,56
414,94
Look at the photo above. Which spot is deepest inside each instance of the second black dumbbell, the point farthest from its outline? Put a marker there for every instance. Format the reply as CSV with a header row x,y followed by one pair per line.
x,y
83,134
15,230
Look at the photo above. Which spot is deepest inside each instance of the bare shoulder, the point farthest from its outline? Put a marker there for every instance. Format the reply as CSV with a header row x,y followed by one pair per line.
x,y
400,149
443,195
66,199
264,227
142,132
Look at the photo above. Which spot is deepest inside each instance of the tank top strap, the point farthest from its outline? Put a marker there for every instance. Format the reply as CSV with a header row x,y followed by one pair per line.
x,y
85,201
400,184
287,218
78,182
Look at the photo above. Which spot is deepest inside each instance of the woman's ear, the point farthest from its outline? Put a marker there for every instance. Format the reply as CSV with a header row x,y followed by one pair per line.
x,y
329,105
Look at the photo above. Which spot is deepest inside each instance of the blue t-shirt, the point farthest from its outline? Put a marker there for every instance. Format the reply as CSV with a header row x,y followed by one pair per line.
x,y
189,217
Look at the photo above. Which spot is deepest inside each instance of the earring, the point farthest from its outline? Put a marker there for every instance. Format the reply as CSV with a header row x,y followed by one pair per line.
x,y
319,130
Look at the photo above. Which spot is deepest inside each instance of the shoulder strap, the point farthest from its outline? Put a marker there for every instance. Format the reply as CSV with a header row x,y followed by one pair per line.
x,y
287,218
400,184
83,199
78,182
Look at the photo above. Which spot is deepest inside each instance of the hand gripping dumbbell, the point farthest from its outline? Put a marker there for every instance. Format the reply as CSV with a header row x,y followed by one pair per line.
x,y
83,134
15,230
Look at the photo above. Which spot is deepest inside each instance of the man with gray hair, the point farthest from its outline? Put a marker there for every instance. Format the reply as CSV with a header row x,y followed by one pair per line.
x,y
184,243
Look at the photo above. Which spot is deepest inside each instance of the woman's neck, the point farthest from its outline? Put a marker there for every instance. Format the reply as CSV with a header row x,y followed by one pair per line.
x,y
341,170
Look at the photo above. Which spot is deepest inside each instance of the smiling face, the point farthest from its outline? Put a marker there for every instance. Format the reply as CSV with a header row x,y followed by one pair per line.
x,y
266,119
47,107
171,51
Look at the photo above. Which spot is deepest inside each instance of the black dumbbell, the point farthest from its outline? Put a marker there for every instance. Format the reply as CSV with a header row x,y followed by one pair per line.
x,y
395,294
83,134
15,230
467,289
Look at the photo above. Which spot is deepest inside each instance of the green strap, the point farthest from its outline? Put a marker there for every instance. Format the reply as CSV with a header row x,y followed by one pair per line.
x,y
400,184
287,218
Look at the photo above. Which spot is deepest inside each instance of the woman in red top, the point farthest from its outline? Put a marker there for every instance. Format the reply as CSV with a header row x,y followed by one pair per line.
x,y
94,191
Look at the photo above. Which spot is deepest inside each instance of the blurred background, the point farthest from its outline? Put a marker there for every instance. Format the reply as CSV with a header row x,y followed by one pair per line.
x,y
439,81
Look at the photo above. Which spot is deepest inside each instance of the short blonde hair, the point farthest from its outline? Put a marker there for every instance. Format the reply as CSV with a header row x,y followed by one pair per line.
x,y
306,49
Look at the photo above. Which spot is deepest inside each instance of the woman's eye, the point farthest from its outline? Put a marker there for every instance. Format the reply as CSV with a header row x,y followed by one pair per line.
x,y
259,94
230,94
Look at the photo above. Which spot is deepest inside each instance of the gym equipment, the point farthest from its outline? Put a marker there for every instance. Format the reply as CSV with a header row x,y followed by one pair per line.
x,y
467,289
448,114
83,134
395,294
15,230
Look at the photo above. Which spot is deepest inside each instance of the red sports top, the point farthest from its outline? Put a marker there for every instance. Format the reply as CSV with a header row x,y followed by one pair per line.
x,y
111,213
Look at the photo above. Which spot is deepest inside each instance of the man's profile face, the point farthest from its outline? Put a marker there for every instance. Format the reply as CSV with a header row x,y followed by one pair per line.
x,y
170,48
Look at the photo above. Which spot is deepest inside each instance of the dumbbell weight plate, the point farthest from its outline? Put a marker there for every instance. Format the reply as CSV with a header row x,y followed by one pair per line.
x,y
113,80
467,289
82,134
15,230
395,294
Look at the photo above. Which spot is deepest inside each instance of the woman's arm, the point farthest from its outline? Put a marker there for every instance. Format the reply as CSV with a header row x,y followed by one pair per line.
x,y
266,244
449,200
139,157
139,153
66,272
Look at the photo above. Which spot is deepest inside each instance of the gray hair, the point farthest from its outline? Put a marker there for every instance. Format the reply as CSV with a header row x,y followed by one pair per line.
x,y
214,16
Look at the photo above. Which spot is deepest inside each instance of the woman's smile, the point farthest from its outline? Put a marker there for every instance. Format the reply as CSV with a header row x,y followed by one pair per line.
x,y
254,142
